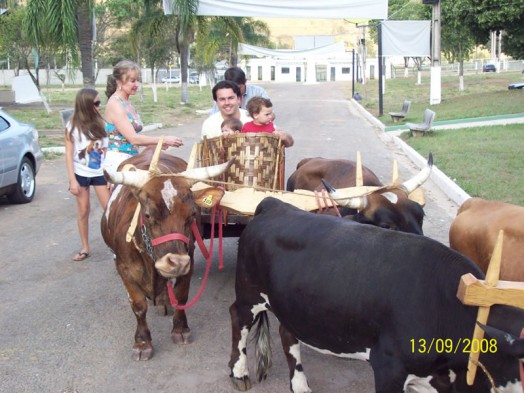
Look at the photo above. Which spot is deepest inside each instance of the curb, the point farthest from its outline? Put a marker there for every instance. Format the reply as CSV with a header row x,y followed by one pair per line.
x,y
447,185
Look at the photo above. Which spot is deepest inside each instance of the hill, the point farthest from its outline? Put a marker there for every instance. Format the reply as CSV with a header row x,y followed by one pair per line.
x,y
283,30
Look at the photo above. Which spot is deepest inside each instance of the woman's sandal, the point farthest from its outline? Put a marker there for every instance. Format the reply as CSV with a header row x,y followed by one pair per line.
x,y
81,256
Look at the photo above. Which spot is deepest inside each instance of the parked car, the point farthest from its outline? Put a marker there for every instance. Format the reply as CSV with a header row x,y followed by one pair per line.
x,y
193,78
171,79
489,68
20,159
516,86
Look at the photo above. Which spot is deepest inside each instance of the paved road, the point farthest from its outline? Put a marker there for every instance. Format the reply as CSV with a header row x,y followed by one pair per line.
x,y
67,326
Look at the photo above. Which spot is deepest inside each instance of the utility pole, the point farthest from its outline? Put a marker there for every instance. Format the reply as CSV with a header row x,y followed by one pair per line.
x,y
435,95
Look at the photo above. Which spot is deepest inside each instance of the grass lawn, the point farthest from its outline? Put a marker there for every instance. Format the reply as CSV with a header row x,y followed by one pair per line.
x,y
167,110
484,161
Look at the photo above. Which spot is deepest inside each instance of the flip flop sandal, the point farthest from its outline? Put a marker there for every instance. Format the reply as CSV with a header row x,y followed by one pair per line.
x,y
81,256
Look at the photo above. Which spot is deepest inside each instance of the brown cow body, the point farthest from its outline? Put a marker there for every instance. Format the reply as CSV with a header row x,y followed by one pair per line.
x,y
475,230
388,207
167,207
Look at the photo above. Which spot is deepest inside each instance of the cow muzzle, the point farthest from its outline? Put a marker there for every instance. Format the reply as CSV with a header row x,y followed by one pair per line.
x,y
173,265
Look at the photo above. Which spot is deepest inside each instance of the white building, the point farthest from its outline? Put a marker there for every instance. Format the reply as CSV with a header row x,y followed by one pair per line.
x,y
322,64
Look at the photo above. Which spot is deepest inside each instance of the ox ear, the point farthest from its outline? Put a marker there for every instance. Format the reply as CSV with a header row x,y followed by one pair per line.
x,y
506,342
418,196
208,197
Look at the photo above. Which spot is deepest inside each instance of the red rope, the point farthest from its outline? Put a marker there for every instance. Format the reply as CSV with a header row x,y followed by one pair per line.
x,y
208,254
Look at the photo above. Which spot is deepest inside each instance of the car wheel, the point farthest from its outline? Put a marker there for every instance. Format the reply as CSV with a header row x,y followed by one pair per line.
x,y
26,185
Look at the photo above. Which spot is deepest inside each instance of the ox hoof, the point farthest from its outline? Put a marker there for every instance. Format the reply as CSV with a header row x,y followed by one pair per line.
x,y
142,352
243,384
181,338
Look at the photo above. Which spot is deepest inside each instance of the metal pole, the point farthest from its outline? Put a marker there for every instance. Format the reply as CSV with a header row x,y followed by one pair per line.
x,y
353,84
380,98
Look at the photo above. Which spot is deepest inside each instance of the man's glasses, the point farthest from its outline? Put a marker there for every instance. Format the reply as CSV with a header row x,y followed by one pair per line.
x,y
97,103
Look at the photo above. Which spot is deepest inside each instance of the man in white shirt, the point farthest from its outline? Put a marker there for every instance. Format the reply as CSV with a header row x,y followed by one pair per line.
x,y
226,95
235,74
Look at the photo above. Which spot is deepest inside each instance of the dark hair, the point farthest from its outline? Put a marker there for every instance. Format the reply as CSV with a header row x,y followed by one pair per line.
x,y
256,104
235,74
226,85
234,124
120,73
86,119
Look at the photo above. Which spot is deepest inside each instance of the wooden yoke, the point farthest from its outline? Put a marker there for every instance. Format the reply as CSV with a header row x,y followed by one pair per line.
x,y
485,293
359,180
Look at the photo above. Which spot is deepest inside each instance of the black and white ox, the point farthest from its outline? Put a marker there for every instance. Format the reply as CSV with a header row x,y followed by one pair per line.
x,y
160,243
357,290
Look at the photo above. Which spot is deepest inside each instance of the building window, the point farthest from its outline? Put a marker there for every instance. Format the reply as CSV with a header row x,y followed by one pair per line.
x,y
345,70
285,70
259,73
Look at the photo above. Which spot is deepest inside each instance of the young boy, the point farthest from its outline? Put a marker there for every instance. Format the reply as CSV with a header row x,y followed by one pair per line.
x,y
261,111
231,126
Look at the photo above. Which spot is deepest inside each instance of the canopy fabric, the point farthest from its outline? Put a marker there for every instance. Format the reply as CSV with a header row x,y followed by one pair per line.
x,y
410,38
332,49
336,9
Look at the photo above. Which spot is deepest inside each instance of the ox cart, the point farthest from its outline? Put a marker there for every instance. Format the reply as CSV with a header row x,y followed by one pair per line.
x,y
259,162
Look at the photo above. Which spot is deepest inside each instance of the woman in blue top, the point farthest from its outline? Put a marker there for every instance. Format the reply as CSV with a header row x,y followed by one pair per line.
x,y
123,122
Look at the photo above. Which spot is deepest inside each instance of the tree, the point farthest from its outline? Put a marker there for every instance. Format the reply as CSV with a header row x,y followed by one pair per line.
x,y
457,41
13,41
66,25
484,16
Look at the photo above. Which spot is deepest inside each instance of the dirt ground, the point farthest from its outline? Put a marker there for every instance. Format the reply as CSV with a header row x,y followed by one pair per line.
x,y
67,326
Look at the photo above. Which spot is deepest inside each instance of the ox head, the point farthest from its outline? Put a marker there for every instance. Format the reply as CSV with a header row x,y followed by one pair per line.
x,y
389,207
167,209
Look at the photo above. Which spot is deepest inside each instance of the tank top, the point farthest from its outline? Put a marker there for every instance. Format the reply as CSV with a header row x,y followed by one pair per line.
x,y
117,142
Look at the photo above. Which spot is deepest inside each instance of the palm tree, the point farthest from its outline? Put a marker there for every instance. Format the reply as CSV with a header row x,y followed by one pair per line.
x,y
67,25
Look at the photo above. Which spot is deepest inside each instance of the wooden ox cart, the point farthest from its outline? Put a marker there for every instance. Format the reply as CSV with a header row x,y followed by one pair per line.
x,y
259,163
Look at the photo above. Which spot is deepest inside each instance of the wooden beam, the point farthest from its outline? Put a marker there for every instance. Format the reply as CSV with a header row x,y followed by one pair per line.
x,y
359,180
474,292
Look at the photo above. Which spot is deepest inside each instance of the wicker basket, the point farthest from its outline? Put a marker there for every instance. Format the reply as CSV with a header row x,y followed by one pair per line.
x,y
259,159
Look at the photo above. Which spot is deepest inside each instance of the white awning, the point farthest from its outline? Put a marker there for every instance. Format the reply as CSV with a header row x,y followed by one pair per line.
x,y
332,49
334,9
406,38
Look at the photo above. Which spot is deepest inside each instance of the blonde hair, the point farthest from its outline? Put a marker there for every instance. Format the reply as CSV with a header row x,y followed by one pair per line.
x,y
121,72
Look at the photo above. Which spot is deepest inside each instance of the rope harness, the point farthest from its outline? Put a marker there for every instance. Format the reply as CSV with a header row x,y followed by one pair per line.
x,y
207,253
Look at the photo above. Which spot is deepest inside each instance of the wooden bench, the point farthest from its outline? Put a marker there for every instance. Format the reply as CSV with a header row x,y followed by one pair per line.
x,y
397,116
419,129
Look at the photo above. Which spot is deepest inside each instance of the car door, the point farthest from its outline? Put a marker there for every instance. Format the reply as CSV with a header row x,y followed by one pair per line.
x,y
4,126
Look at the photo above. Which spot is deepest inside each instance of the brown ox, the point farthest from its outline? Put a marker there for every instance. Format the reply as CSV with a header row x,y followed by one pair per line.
x,y
167,209
387,207
475,230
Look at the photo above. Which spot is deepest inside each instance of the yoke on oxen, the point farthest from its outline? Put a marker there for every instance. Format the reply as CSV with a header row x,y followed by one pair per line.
x,y
258,171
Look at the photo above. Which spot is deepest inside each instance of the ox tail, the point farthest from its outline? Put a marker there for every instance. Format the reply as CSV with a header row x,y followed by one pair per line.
x,y
262,346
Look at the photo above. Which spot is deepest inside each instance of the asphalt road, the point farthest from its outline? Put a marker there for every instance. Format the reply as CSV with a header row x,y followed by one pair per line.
x,y
67,326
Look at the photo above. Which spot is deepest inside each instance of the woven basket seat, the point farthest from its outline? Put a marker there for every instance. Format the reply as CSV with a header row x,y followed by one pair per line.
x,y
259,159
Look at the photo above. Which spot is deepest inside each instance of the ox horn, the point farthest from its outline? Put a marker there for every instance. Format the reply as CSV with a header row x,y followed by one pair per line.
x,y
136,178
196,174
153,166
357,203
416,181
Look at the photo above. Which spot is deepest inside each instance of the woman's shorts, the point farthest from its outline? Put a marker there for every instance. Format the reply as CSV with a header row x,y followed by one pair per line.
x,y
90,181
